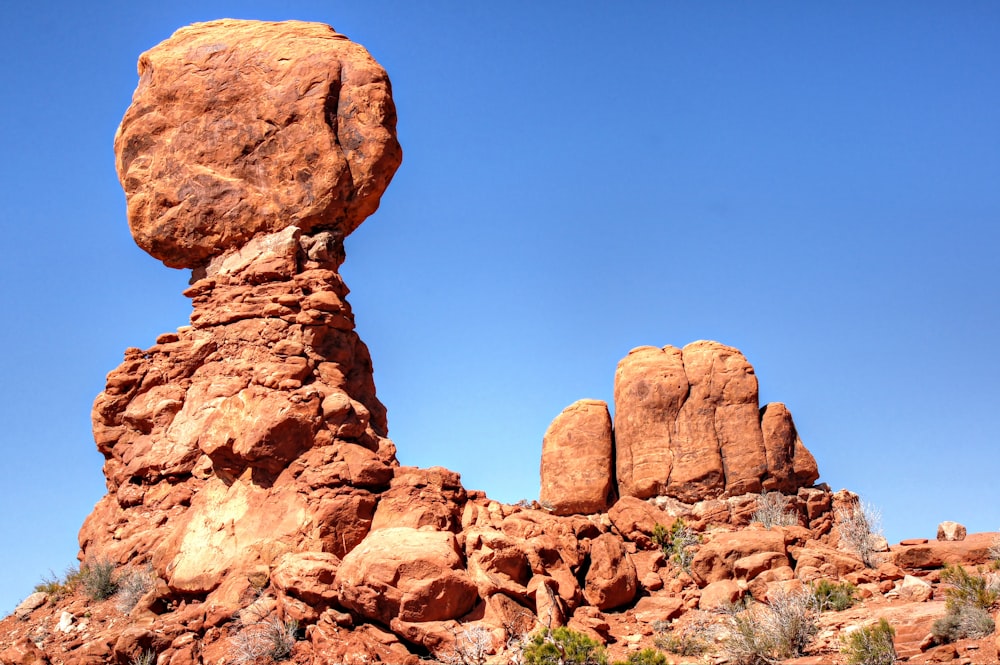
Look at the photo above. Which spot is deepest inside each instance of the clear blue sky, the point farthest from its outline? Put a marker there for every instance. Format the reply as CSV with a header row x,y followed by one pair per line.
x,y
817,184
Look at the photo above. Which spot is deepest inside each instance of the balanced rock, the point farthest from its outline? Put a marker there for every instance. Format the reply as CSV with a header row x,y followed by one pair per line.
x,y
577,462
249,152
244,127
247,457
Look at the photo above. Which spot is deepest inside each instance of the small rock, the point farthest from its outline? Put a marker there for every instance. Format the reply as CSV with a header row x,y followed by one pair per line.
x,y
915,589
950,531
30,604
65,622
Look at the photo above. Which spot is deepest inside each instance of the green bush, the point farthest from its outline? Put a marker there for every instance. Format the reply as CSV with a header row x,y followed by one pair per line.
x,y
97,578
562,646
679,543
834,596
644,657
968,589
968,602
870,645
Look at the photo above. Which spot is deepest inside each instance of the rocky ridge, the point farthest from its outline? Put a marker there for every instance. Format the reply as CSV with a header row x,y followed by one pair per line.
x,y
247,458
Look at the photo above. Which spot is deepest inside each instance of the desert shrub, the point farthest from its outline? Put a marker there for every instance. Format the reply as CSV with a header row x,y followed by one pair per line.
x,y
132,584
644,657
860,527
781,629
472,646
975,623
57,587
834,596
679,543
870,645
97,578
147,657
968,601
692,638
772,510
969,589
269,639
562,646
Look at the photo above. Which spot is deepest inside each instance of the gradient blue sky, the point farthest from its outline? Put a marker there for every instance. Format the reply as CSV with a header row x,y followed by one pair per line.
x,y
817,184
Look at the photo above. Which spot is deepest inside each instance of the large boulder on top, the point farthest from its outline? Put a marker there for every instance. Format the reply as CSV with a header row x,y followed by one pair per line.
x,y
210,156
577,461
688,425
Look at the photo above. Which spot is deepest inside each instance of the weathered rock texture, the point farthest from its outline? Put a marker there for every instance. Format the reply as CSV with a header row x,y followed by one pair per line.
x,y
577,460
240,127
688,425
247,459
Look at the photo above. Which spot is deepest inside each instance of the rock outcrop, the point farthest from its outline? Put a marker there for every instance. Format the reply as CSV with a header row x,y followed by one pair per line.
x,y
578,460
246,434
687,425
251,480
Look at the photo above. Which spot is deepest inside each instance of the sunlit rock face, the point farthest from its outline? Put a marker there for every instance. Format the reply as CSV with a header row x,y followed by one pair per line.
x,y
242,127
688,425
250,151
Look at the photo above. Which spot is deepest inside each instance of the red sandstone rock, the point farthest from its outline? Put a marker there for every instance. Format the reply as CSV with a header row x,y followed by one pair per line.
x,y
717,557
611,579
577,460
718,595
210,157
951,531
23,652
972,551
650,389
687,425
405,573
790,465
635,520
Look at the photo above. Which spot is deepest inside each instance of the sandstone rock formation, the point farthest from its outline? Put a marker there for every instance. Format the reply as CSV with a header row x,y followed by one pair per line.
x,y
251,480
239,128
578,459
687,425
